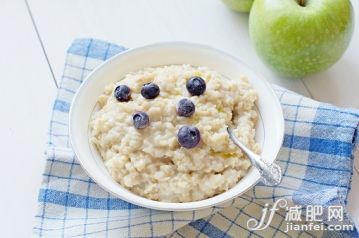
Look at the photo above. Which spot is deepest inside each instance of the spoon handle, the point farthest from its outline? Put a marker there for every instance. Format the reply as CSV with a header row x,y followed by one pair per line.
x,y
271,174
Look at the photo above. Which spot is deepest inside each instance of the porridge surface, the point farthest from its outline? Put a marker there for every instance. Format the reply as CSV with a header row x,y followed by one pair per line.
x,y
150,161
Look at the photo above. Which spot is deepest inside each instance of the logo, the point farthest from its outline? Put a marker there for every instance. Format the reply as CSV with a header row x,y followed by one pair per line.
x,y
299,219
254,225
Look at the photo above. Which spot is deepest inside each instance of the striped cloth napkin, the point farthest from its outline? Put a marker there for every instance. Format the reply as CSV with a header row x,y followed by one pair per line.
x,y
316,160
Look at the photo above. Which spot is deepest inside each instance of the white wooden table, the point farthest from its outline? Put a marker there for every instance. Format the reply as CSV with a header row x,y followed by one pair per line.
x,y
35,35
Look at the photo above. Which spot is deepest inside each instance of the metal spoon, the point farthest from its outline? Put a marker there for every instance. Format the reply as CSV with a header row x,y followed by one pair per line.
x,y
271,174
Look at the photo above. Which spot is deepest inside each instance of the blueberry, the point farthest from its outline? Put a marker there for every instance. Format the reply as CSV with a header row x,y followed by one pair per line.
x,y
196,86
140,120
188,136
150,90
122,93
185,108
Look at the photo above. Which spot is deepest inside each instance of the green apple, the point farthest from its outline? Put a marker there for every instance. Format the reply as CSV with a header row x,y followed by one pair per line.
x,y
239,5
297,38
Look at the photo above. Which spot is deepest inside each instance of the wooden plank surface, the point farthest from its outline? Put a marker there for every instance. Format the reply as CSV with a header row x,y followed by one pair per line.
x,y
26,98
139,22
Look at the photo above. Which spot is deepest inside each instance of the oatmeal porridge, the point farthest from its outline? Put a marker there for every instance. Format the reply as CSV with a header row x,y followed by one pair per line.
x,y
161,131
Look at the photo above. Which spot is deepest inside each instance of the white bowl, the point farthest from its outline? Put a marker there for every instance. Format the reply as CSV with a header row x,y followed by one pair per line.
x,y
270,128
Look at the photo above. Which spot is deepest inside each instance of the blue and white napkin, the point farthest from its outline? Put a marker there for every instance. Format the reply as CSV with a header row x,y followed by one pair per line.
x,y
316,159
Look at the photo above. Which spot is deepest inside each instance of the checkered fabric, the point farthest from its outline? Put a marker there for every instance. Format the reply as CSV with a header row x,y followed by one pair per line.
x,y
316,160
